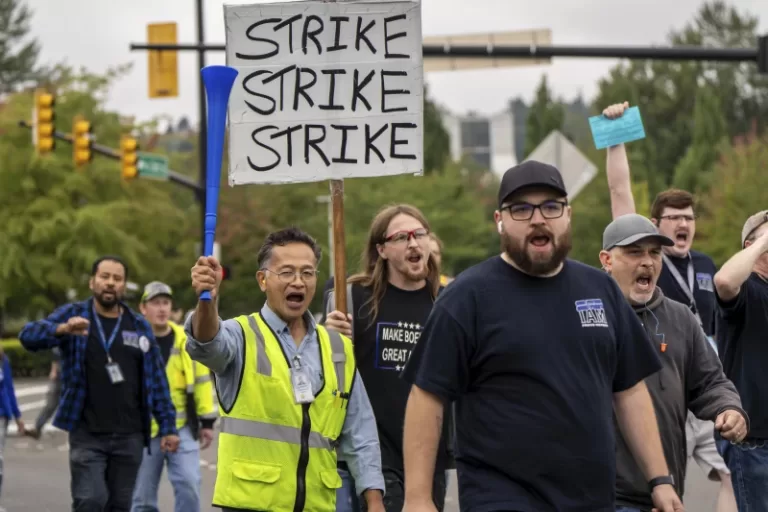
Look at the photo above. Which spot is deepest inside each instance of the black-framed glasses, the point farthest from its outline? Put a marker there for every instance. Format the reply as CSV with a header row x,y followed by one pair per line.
x,y
400,237
551,209
678,218
288,276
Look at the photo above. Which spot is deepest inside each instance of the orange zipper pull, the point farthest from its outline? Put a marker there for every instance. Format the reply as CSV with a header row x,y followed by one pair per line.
x,y
663,347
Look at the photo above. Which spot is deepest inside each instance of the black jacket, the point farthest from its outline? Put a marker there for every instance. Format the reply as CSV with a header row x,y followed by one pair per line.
x,y
691,378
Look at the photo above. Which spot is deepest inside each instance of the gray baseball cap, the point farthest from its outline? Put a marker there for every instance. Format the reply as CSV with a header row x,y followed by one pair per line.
x,y
629,229
156,289
754,222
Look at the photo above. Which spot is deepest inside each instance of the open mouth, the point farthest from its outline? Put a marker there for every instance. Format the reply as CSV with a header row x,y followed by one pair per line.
x,y
644,282
295,299
414,258
681,237
539,240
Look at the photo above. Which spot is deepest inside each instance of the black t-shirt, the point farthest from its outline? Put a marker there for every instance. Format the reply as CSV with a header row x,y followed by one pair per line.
x,y
114,408
704,270
742,341
382,348
533,364
166,344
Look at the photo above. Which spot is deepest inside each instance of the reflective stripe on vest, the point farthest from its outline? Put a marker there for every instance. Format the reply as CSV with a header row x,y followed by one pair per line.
x,y
272,432
264,367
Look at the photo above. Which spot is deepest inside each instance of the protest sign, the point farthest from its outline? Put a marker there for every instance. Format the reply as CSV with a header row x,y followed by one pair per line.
x,y
325,91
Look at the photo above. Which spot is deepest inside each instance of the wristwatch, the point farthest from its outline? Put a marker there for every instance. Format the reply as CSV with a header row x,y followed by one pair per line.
x,y
661,480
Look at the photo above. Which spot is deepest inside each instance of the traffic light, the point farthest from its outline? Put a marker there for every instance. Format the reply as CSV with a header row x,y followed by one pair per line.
x,y
129,158
81,141
44,120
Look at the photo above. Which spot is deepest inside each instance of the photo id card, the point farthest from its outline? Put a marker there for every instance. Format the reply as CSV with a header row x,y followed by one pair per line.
x,y
115,375
302,386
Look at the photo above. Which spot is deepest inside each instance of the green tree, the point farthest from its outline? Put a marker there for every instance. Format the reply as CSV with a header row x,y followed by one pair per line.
x,y
437,142
544,116
18,51
55,221
667,92
709,132
740,192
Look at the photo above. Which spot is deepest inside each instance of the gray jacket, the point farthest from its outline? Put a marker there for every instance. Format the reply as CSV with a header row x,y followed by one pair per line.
x,y
692,379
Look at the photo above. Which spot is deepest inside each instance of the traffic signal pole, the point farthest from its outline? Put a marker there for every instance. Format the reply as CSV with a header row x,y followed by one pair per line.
x,y
758,55
173,176
202,130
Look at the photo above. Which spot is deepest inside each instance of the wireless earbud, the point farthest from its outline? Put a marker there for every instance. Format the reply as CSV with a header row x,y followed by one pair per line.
x,y
500,228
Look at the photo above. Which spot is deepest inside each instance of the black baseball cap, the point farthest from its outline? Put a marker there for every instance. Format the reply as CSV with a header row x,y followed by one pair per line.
x,y
529,174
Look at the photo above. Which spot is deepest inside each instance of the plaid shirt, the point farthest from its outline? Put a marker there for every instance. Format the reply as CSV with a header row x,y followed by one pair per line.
x,y
41,335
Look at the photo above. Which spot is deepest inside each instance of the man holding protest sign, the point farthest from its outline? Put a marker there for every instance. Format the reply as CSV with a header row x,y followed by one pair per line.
x,y
288,406
390,299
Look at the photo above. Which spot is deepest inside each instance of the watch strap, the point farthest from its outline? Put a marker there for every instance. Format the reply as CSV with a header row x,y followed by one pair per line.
x,y
661,480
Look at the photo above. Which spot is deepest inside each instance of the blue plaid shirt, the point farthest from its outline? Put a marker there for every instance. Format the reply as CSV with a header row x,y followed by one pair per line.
x,y
41,335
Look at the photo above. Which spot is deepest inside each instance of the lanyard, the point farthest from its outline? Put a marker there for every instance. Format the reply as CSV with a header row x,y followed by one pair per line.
x,y
107,343
687,289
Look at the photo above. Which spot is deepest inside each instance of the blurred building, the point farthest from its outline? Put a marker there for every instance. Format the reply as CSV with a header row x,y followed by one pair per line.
x,y
497,142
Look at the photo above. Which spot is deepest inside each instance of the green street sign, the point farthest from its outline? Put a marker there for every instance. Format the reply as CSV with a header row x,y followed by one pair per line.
x,y
153,166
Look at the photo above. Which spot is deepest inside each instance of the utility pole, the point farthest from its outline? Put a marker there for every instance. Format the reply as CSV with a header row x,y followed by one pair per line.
x,y
202,130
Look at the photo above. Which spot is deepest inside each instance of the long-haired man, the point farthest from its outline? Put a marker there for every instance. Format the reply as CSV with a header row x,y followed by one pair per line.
x,y
389,300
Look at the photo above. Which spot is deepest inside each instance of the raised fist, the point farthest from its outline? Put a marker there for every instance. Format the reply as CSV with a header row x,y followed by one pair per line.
x,y
206,275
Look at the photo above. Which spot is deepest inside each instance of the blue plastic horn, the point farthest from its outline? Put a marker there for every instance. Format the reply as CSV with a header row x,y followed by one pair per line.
x,y
218,81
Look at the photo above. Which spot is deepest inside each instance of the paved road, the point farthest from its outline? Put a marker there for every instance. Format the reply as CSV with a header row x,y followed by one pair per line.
x,y
32,466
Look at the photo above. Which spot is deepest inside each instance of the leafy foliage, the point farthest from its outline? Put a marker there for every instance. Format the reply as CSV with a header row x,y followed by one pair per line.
x,y
18,51
56,221
544,116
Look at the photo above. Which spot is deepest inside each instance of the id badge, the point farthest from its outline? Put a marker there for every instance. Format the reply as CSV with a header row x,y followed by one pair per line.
x,y
302,386
115,375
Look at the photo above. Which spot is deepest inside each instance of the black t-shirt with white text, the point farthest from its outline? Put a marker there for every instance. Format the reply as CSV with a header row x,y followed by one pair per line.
x,y
533,364
382,348
114,408
742,341
704,270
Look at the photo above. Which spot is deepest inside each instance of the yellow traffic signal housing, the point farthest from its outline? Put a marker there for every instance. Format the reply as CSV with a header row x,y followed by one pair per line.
x,y
129,158
44,122
163,67
81,141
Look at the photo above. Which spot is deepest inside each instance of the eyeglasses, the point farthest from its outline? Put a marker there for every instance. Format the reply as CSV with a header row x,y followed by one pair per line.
x,y
678,218
288,276
524,211
401,237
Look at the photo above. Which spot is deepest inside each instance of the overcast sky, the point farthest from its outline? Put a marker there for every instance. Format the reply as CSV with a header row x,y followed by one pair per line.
x,y
97,33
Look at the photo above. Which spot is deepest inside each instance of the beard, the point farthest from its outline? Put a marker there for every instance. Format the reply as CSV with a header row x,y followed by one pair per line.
x,y
517,250
107,302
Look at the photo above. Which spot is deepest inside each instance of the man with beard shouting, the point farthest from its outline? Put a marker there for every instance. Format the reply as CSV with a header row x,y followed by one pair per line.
x,y
537,350
390,300
692,376
113,377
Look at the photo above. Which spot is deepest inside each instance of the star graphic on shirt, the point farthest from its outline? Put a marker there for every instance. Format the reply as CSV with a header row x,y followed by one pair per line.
x,y
410,326
398,367
418,327
399,324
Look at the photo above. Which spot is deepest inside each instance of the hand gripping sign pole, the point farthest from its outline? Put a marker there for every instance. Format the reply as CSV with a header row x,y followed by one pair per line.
x,y
218,81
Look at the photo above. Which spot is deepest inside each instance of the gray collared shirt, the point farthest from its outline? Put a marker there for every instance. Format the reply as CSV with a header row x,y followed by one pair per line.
x,y
359,441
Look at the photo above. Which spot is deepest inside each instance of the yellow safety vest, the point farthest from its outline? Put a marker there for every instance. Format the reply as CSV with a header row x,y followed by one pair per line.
x,y
187,377
276,455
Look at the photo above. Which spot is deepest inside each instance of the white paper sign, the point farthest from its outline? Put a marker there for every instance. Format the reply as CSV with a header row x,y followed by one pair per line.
x,y
324,91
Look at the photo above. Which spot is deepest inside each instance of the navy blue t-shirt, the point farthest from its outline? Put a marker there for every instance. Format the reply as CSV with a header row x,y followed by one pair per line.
x,y
704,270
742,342
533,364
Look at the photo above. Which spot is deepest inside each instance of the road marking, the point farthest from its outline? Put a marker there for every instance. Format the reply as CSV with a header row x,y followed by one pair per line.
x,y
31,406
31,391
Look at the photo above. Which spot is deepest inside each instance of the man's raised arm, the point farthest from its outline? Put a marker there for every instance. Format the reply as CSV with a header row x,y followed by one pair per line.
x,y
617,170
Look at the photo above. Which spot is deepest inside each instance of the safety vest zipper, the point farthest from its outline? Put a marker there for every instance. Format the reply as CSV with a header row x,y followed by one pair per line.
x,y
301,472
